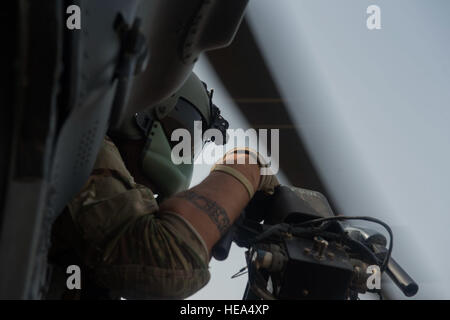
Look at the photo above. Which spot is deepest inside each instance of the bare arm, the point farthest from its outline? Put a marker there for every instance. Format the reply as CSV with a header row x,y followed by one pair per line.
x,y
212,206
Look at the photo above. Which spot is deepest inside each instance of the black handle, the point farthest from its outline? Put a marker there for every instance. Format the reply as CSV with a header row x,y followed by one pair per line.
x,y
221,249
401,278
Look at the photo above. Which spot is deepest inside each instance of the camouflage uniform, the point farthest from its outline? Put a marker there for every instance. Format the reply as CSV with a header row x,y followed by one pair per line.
x,y
123,242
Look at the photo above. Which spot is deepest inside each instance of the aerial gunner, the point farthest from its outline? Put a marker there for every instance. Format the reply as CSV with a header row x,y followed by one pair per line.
x,y
135,228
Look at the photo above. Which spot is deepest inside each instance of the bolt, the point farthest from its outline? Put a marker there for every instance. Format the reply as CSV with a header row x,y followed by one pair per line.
x,y
320,246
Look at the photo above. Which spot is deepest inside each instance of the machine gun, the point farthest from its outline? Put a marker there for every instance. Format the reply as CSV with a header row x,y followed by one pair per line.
x,y
302,250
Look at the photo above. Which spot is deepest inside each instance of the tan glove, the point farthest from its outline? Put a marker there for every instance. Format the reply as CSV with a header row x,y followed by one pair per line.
x,y
267,181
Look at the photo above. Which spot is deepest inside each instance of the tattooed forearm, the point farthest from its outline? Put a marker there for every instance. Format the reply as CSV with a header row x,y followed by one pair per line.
x,y
215,212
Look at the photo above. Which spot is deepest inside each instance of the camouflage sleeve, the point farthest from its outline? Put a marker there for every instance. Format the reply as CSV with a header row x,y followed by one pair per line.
x,y
130,247
158,257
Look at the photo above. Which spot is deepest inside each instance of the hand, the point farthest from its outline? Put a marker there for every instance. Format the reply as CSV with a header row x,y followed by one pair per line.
x,y
267,181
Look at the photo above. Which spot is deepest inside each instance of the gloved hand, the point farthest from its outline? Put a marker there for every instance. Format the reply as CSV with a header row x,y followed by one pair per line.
x,y
267,181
